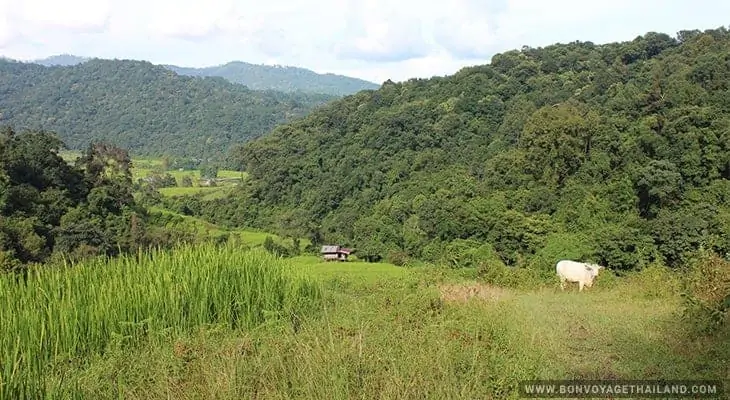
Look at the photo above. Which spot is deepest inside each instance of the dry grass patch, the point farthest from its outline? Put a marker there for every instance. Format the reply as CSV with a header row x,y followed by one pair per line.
x,y
461,292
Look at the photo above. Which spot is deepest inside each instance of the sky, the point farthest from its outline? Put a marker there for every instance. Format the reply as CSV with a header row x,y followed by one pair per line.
x,y
374,40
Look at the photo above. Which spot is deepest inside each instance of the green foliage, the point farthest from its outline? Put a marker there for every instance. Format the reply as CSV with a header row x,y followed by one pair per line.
x,y
623,145
557,141
469,254
62,313
707,293
50,208
157,181
256,77
654,281
187,181
276,249
208,172
561,246
144,108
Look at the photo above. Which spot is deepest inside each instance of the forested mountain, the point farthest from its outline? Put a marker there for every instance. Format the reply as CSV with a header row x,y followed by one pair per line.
x,y
619,153
282,78
61,60
144,108
255,76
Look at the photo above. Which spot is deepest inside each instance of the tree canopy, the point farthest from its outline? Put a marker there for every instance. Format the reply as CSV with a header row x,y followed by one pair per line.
x,y
619,153
49,207
143,108
256,76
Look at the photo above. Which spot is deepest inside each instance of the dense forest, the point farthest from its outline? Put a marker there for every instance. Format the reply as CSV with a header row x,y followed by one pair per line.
x,y
618,153
143,108
256,76
50,208
281,78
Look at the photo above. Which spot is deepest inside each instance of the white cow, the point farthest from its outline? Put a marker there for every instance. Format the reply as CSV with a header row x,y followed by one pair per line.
x,y
573,271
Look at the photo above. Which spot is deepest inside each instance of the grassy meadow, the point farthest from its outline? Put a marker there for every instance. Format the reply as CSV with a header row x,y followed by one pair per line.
x,y
144,167
206,231
229,323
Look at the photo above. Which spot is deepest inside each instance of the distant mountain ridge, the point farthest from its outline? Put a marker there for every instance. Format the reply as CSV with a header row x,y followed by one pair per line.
x,y
145,108
63,60
282,78
255,76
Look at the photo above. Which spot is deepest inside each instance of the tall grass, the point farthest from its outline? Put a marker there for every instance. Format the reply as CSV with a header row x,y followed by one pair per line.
x,y
59,314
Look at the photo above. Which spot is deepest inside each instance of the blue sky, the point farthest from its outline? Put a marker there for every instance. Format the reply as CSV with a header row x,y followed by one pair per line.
x,y
370,39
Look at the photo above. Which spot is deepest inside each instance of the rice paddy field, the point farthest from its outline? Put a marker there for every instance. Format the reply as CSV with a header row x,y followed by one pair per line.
x,y
207,231
144,167
58,316
223,322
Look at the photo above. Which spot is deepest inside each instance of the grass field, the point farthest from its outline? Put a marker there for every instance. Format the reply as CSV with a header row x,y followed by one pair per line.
x,y
389,332
229,323
141,172
207,230
211,192
64,314
143,167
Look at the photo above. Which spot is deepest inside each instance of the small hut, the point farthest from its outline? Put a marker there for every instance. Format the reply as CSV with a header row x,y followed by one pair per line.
x,y
335,253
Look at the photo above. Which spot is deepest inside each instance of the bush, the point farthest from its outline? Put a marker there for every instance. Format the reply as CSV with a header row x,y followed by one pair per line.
x,y
275,248
623,247
706,293
187,181
560,246
399,258
510,277
469,254
655,281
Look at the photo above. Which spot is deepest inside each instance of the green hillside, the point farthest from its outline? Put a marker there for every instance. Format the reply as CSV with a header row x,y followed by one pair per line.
x,y
281,78
618,153
146,109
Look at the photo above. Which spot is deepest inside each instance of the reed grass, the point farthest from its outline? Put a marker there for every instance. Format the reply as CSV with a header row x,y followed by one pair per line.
x,y
59,314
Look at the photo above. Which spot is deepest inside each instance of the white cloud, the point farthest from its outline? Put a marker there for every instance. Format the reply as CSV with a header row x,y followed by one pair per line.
x,y
384,30
371,39
73,15
187,19
468,29
7,31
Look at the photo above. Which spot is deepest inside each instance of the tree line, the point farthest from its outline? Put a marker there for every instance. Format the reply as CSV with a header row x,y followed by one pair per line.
x,y
51,210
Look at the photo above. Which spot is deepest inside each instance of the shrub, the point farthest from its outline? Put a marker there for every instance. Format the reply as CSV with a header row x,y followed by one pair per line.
x,y
275,248
655,281
187,181
399,258
706,293
469,254
559,246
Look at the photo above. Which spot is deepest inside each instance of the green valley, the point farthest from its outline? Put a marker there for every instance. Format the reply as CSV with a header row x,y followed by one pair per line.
x,y
162,239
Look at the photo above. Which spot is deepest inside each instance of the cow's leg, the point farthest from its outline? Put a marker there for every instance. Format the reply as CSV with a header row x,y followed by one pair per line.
x,y
562,284
580,286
